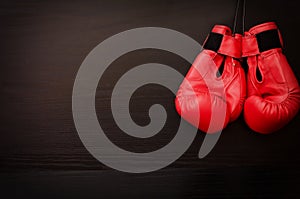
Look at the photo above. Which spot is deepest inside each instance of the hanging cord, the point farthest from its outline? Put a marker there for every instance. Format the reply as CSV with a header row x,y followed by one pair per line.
x,y
244,14
236,15
244,60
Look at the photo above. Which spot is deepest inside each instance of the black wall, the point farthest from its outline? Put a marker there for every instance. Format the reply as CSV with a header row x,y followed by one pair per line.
x,y
42,45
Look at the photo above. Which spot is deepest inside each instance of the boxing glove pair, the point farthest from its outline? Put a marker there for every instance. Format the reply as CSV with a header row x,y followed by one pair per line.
x,y
216,83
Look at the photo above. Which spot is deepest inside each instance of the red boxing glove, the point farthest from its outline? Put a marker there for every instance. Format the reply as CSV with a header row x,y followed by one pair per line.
x,y
215,83
273,91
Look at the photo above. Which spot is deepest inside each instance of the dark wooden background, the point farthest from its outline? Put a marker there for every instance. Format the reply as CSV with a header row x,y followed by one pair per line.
x,y
42,45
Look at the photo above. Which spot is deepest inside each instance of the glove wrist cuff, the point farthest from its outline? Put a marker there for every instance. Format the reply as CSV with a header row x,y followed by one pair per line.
x,y
224,44
261,38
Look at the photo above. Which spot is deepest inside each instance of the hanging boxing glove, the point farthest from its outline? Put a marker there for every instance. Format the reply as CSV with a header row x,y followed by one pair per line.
x,y
273,91
215,83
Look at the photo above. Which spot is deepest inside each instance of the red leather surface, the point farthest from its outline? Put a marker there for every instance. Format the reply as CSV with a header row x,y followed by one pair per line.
x,y
210,93
275,100
230,45
250,46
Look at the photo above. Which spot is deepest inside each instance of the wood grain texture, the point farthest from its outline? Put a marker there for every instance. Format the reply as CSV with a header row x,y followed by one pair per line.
x,y
42,46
